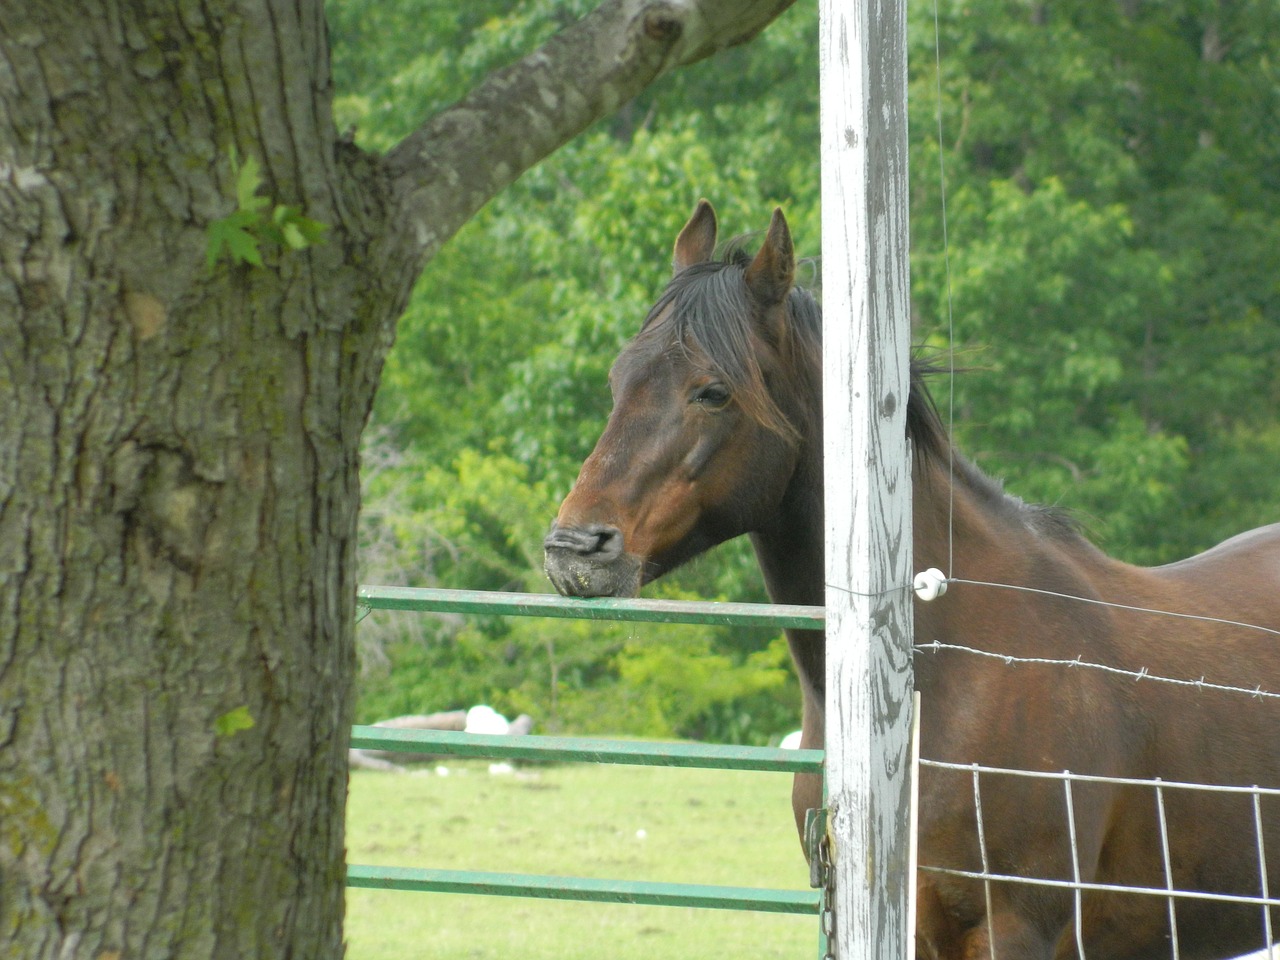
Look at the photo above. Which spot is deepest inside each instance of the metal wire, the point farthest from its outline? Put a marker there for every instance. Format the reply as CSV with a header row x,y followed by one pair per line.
x,y
1075,864
1098,778
1103,887
982,852
1262,870
1115,606
1168,870
1202,684
1077,885
951,324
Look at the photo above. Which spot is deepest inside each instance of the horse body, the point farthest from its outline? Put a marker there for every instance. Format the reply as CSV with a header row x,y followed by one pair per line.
x,y
1053,718
717,431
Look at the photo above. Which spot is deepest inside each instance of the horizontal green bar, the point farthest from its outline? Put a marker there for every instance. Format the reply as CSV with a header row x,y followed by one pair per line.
x,y
581,888
709,756
596,608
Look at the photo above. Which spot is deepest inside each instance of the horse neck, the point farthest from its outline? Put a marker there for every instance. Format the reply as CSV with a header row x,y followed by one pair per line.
x,y
961,524
955,520
965,525
790,553
790,547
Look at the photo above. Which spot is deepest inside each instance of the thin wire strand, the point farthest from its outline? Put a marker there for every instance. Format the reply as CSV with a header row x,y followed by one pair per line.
x,y
1115,606
1090,887
1050,775
1262,869
1168,873
986,866
888,591
868,594
1075,862
951,326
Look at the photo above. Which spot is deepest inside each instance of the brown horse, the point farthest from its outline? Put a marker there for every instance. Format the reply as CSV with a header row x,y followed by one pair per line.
x,y
716,431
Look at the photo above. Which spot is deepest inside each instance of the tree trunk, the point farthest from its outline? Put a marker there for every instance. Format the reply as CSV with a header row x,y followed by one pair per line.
x,y
178,489
178,449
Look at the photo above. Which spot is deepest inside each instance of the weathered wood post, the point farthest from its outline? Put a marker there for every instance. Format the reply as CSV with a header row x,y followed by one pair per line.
x,y
868,475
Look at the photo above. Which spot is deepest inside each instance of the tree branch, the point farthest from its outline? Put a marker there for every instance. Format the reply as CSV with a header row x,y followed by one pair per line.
x,y
522,113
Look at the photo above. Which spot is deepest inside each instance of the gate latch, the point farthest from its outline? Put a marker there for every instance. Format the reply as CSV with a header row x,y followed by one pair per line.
x,y
816,847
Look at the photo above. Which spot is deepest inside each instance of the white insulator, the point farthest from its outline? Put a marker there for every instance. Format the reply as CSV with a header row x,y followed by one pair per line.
x,y
930,584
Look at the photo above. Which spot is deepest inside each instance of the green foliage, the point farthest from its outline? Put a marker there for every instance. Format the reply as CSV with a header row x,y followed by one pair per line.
x,y
256,221
1113,202
1114,247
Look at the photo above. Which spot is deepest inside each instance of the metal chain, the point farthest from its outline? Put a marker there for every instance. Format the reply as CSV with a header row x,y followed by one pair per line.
x,y
828,876
822,876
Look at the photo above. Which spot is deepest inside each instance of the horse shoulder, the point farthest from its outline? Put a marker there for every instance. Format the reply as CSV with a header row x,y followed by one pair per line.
x,y
1238,579
1259,546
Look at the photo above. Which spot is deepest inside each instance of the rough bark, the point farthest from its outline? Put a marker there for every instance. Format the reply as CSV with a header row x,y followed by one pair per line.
x,y
178,446
178,488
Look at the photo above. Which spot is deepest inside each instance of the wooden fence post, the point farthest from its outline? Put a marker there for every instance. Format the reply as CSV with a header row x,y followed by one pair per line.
x,y
868,474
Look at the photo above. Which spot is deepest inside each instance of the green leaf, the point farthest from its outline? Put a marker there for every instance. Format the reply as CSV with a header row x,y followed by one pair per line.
x,y
311,230
229,234
241,234
248,182
295,230
233,721
293,237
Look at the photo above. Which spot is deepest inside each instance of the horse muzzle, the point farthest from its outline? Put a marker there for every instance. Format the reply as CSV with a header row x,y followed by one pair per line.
x,y
590,561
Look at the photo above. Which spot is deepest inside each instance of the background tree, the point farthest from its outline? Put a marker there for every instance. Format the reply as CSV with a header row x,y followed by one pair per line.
x,y
1114,227
199,281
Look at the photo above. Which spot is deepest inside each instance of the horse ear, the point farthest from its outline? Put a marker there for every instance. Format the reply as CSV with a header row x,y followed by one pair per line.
x,y
697,241
773,271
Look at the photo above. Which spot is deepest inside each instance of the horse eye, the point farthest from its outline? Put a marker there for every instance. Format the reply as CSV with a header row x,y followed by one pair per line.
x,y
714,395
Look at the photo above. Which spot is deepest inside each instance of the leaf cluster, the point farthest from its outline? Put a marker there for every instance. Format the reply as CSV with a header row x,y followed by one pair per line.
x,y
256,221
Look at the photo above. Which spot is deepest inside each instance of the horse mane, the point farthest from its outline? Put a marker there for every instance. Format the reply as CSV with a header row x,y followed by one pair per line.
x,y
932,445
709,311
708,307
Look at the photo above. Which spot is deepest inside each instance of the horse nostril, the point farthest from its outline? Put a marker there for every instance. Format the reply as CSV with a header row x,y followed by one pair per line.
x,y
608,542
596,540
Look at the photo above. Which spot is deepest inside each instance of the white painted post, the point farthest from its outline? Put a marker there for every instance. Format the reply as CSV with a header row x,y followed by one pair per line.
x,y
868,475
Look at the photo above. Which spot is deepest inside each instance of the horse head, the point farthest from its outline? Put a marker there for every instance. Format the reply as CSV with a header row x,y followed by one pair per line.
x,y
706,428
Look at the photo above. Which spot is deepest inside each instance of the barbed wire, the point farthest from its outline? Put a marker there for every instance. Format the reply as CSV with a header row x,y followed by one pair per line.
x,y
1203,683
1144,674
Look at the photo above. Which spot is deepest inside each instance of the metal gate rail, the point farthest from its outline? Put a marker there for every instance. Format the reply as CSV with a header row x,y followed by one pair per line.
x,y
709,756
587,750
434,600
535,886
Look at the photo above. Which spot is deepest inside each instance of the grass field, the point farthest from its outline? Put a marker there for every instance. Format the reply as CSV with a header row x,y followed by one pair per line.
x,y
645,823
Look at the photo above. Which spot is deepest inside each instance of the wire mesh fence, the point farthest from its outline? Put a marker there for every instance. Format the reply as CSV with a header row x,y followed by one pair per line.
x,y
1083,879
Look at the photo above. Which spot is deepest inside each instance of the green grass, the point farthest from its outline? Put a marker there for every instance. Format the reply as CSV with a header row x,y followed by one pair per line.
x,y
700,826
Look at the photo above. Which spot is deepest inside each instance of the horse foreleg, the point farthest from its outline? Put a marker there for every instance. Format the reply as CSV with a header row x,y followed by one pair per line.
x,y
806,788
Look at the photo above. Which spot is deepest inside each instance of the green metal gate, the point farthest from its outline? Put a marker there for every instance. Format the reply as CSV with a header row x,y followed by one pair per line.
x,y
588,750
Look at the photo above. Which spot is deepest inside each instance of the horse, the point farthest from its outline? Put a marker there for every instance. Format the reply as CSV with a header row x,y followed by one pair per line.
x,y
716,431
